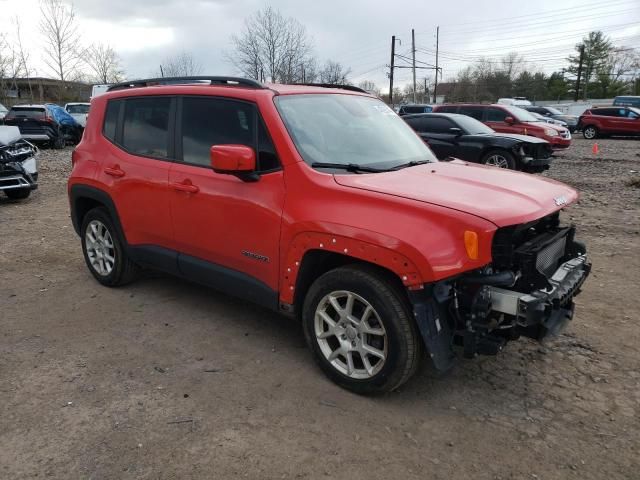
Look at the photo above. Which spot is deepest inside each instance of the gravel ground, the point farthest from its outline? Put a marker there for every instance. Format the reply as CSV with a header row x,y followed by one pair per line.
x,y
167,380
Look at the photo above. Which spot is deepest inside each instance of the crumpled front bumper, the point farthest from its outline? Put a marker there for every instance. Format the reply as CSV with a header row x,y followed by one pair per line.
x,y
547,311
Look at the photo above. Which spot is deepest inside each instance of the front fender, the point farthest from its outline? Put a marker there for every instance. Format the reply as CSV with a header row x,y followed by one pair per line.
x,y
387,252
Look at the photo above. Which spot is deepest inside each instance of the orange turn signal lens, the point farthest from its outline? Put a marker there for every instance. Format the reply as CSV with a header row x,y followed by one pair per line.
x,y
471,244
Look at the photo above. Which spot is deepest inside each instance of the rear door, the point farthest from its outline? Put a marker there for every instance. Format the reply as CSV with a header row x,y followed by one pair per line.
x,y
227,230
135,168
629,122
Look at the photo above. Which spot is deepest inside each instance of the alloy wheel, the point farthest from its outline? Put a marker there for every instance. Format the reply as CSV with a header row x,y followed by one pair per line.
x,y
350,334
100,248
497,160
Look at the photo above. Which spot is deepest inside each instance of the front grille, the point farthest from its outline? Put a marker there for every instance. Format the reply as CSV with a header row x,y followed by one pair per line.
x,y
548,258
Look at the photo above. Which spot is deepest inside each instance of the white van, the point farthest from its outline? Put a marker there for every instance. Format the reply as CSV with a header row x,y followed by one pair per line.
x,y
515,101
99,90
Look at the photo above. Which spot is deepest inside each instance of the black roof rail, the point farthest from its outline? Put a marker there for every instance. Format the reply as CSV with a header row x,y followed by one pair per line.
x,y
351,88
149,82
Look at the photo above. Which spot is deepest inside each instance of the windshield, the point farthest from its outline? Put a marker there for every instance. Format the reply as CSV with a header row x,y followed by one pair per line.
x,y
520,114
350,129
635,110
472,126
554,111
78,109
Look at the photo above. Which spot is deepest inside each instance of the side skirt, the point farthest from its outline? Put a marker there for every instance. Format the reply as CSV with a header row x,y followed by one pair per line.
x,y
223,279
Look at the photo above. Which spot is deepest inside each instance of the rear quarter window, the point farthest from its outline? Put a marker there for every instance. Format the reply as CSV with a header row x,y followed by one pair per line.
x,y
112,112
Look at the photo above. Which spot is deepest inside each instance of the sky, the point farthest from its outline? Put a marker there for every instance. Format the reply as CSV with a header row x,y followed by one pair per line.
x,y
356,33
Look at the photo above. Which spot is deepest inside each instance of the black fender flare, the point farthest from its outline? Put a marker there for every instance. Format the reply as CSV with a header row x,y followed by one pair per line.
x,y
77,193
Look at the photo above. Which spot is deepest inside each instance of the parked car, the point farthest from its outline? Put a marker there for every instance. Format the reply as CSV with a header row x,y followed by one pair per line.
x,y
597,122
569,121
540,118
18,164
3,112
414,108
510,119
451,135
71,128
48,123
79,112
323,204
627,101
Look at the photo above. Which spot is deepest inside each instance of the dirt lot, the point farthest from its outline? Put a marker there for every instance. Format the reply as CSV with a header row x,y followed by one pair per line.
x,y
166,380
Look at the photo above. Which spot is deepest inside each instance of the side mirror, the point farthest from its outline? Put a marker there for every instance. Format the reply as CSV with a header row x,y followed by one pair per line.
x,y
509,120
456,131
238,160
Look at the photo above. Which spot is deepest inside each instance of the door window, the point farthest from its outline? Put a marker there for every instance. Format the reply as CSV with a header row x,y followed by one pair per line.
x,y
146,126
496,115
437,125
474,112
215,121
111,119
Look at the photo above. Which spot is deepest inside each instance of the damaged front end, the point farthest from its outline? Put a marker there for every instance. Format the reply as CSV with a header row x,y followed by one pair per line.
x,y
18,163
536,271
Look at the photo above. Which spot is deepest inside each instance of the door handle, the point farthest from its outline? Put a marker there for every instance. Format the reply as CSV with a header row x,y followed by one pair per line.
x,y
114,171
185,186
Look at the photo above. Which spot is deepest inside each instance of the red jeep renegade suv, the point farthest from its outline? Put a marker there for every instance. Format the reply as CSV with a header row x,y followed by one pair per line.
x,y
323,203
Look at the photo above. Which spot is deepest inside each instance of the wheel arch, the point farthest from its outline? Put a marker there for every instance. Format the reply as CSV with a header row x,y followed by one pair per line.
x,y
312,254
83,198
316,262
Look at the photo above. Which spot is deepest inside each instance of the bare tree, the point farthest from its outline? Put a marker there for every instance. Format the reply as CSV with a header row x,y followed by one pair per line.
x,y
181,65
370,87
273,48
10,67
23,56
104,63
61,52
333,73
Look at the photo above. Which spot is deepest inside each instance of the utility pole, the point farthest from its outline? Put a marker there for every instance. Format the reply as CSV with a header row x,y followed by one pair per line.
x,y
425,95
413,54
435,86
161,72
577,92
393,56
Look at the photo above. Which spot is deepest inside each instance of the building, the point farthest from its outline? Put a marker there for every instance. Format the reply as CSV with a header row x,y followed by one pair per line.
x,y
42,90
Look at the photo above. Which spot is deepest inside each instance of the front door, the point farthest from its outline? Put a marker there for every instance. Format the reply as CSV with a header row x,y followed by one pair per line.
x,y
227,230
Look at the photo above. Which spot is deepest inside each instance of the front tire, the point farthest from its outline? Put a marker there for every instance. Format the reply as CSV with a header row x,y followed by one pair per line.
x,y
359,327
18,193
500,159
590,132
104,251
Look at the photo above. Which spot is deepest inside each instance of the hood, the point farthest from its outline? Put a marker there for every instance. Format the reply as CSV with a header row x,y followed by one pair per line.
x,y
9,135
521,138
501,196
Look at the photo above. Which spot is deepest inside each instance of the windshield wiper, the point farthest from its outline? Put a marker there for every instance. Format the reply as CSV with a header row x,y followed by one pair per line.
x,y
349,167
412,163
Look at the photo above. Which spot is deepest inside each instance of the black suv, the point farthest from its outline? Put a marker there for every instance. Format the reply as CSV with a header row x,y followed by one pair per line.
x,y
459,136
38,124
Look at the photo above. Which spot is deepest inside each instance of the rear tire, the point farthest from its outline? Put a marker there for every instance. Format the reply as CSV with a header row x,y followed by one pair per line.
x,y
104,251
59,142
590,132
500,159
368,343
18,193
